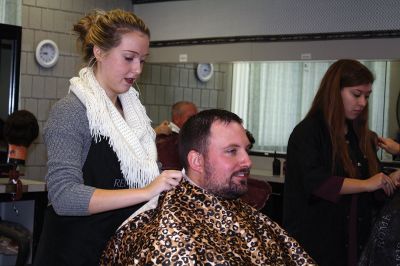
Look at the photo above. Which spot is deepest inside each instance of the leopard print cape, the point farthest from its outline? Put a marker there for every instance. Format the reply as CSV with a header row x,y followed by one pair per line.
x,y
192,227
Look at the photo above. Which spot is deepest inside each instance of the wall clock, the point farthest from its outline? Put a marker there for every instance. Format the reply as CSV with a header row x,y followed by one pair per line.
x,y
204,71
47,53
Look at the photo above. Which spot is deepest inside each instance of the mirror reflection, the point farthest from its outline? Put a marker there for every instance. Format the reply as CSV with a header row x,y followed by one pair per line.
x,y
271,97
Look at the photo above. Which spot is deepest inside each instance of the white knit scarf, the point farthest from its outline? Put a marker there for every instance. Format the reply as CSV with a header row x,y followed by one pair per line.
x,y
131,138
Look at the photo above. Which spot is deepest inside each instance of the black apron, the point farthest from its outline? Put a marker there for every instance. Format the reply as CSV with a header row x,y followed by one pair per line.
x,y
80,240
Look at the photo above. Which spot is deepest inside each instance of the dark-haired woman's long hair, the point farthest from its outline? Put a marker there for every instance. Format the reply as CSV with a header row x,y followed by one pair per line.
x,y
328,101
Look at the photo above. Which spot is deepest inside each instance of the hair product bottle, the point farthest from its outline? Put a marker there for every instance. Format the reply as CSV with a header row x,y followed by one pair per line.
x,y
276,166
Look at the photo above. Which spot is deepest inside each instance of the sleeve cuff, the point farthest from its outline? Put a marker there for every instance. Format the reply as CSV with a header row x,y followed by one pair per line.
x,y
330,189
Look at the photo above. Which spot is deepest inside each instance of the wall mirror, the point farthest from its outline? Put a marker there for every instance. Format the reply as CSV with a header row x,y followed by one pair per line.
x,y
398,110
273,96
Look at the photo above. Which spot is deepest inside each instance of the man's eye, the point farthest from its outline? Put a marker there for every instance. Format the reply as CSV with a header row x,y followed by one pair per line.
x,y
128,58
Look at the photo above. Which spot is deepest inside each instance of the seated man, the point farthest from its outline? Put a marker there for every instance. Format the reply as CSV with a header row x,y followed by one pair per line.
x,y
167,144
203,221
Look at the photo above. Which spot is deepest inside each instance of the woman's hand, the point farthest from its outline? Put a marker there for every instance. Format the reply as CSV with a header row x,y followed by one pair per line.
x,y
380,181
389,145
110,199
395,176
165,181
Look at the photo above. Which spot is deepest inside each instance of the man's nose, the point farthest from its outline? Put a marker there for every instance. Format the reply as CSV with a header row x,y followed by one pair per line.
x,y
246,161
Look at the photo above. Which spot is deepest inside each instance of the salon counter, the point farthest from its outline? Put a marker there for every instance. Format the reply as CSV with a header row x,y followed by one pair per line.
x,y
28,185
28,211
265,175
274,206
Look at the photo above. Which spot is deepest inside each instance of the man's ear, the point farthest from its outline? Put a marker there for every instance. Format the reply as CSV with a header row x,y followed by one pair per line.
x,y
196,161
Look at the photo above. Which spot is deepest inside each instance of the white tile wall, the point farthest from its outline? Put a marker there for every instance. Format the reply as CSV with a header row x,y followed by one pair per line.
x,y
178,94
38,87
50,85
165,75
169,96
34,17
160,95
26,86
165,84
183,77
174,76
155,74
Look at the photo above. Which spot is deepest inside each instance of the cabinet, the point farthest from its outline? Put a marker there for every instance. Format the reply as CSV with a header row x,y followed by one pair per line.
x,y
31,208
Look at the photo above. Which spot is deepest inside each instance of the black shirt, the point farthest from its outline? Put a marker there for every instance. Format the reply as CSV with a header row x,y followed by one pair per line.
x,y
323,227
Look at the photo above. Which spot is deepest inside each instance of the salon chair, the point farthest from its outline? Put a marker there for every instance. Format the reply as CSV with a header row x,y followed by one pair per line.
x,y
257,194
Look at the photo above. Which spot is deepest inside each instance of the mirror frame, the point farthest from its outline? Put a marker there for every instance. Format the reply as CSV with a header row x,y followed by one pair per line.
x,y
398,110
12,33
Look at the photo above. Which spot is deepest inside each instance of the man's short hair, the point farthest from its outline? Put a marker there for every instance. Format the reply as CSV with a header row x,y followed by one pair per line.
x,y
176,109
195,132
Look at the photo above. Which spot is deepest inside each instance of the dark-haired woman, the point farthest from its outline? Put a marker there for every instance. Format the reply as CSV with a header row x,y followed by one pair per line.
x,y
333,170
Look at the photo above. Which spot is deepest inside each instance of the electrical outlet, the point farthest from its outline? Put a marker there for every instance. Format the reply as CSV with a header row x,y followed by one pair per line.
x,y
183,57
305,56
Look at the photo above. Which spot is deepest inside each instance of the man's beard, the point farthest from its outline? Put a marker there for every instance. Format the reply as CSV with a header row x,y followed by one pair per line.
x,y
228,190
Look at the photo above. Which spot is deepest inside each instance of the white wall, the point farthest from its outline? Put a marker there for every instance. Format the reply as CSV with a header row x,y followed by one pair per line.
x,y
222,18
373,49
216,18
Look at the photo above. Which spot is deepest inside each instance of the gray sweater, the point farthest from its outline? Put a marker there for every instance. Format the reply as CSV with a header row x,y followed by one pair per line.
x,y
67,138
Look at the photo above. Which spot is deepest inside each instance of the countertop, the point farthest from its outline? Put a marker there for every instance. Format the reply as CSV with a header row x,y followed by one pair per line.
x,y
28,185
265,175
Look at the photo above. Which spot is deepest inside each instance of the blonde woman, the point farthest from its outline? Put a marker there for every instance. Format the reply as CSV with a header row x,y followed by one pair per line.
x,y
101,150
